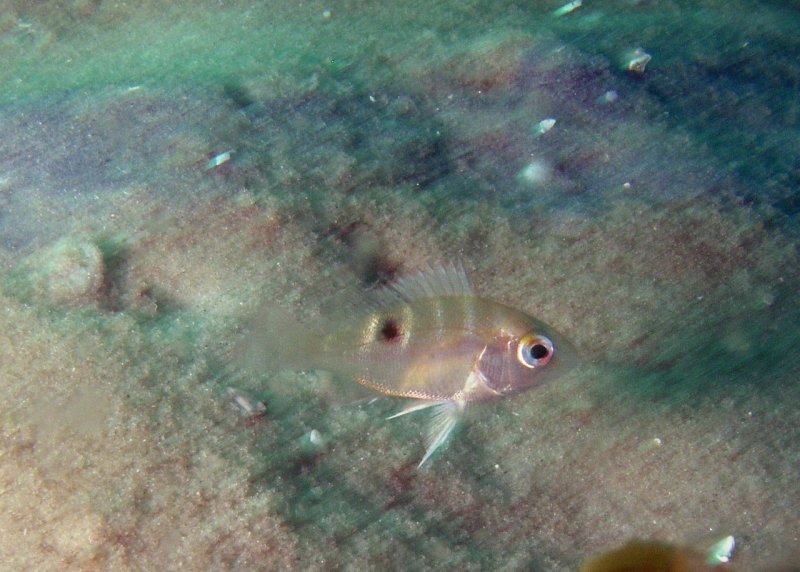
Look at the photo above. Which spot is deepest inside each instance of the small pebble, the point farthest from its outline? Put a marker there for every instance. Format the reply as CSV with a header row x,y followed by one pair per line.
x,y
312,443
71,272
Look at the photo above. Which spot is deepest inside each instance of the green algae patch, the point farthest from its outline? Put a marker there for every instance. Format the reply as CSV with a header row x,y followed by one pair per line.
x,y
58,47
151,45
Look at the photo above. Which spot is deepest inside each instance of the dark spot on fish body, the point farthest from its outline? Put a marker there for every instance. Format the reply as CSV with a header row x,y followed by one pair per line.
x,y
390,330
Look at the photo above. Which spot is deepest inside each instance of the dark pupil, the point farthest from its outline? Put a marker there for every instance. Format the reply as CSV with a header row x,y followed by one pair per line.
x,y
539,351
390,330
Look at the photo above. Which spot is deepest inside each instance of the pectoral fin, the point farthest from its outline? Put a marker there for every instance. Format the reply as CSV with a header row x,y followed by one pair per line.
x,y
445,418
415,405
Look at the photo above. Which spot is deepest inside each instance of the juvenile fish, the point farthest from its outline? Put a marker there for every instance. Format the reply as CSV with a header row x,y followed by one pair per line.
x,y
433,341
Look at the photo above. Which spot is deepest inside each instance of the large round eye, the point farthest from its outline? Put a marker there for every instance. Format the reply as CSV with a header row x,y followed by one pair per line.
x,y
535,351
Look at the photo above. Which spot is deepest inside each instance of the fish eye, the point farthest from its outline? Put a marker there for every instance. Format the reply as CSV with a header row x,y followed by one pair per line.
x,y
535,351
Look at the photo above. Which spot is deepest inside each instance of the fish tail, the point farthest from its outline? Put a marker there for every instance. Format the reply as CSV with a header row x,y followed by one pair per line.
x,y
275,340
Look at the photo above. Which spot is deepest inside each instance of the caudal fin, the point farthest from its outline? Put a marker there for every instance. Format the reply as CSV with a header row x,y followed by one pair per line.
x,y
273,340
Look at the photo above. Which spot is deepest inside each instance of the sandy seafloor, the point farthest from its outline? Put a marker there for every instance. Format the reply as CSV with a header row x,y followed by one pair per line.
x,y
655,225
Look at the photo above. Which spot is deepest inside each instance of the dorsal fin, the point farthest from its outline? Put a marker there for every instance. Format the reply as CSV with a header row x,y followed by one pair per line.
x,y
450,280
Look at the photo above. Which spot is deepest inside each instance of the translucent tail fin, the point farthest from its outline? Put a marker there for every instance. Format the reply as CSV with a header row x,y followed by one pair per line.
x,y
273,340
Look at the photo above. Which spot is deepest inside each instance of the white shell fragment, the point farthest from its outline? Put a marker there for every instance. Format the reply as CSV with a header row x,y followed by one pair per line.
x,y
218,160
315,438
312,443
567,8
637,61
244,403
544,126
721,551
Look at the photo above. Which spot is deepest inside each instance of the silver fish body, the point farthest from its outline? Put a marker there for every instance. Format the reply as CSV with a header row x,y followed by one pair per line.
x,y
429,348
433,341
